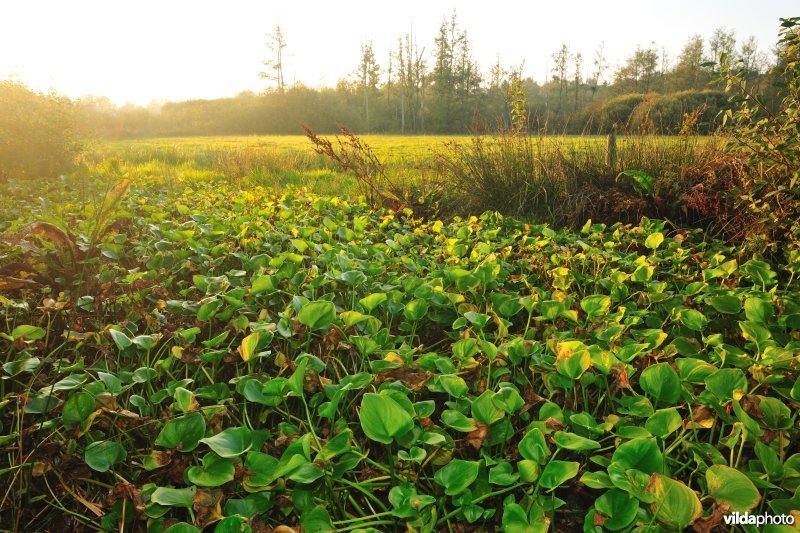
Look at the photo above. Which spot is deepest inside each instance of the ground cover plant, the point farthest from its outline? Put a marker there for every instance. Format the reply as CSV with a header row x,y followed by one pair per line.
x,y
207,354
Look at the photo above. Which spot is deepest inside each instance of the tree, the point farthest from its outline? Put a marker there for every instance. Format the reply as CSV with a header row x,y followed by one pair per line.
x,y
561,64
276,43
367,73
722,42
639,71
577,61
749,57
688,72
455,79
411,79
600,64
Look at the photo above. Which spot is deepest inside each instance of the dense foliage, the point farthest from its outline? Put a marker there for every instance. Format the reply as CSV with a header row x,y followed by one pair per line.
x,y
194,354
38,132
769,192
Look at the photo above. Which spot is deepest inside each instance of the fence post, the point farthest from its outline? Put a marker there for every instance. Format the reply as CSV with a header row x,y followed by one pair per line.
x,y
611,149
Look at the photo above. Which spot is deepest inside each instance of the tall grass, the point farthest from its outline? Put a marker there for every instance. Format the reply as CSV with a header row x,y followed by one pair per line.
x,y
564,181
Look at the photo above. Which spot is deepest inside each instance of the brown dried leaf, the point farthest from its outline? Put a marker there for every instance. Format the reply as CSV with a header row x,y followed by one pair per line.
x,y
10,283
710,522
702,418
52,233
476,437
599,519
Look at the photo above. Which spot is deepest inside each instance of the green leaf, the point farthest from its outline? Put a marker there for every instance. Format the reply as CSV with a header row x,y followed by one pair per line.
x,y
453,385
23,364
317,315
28,333
556,473
231,442
369,303
653,241
676,505
484,410
415,310
336,445
262,284
458,421
573,364
232,524
382,418
183,433
249,345
120,339
596,305
184,399
641,454
77,408
174,497
503,474
215,471
597,480
664,422
730,487
533,446
456,476
642,181
208,310
724,381
182,527
571,441
662,383
758,310
104,454
316,520
726,304
619,507
694,320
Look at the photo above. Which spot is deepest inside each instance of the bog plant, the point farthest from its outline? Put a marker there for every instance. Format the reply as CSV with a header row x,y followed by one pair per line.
x,y
285,360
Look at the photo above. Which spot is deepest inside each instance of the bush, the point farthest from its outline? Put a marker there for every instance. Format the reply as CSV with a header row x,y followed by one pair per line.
x,y
38,135
768,193
669,113
617,111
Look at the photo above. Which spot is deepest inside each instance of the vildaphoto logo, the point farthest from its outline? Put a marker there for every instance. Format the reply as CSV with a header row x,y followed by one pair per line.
x,y
747,519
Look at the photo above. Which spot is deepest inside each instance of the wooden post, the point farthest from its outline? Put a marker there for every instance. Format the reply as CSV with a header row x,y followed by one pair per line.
x,y
611,149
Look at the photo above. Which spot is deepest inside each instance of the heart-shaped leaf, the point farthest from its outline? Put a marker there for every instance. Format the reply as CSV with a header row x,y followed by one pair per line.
x,y
456,476
104,454
183,433
231,442
214,472
382,418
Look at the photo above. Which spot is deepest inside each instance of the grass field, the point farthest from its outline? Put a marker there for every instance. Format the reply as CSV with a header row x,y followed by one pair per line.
x,y
291,161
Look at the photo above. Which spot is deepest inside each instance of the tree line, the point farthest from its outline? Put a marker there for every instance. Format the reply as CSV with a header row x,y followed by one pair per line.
x,y
444,91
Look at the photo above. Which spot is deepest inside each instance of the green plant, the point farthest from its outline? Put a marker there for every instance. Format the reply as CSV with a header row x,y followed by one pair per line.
x,y
769,192
300,360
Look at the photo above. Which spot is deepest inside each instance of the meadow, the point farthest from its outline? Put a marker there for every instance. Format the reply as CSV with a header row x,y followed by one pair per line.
x,y
218,334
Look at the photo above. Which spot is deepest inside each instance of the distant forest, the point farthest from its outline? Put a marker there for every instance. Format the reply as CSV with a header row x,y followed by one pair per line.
x,y
447,92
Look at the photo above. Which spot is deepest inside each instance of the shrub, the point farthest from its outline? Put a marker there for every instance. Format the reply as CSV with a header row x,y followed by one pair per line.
x,y
768,194
667,113
38,134
379,186
617,111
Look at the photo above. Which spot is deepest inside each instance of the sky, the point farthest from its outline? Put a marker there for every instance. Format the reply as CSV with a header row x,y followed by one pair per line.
x,y
147,50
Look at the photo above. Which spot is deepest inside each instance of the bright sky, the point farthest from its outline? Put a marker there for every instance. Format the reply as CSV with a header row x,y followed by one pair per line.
x,y
141,50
